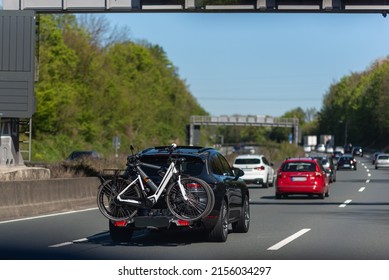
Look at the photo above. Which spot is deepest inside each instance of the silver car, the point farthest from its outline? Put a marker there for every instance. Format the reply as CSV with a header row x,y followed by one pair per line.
x,y
382,160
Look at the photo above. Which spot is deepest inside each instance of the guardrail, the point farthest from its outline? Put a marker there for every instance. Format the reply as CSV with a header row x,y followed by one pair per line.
x,y
21,199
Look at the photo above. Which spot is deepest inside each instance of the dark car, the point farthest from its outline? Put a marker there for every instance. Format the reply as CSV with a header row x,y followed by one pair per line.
x,y
336,155
328,165
231,195
82,155
346,162
357,151
375,155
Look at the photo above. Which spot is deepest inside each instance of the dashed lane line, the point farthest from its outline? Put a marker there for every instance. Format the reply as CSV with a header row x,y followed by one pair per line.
x,y
344,204
288,240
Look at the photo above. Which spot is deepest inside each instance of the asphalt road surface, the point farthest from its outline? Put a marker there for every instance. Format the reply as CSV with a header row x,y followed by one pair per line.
x,y
351,224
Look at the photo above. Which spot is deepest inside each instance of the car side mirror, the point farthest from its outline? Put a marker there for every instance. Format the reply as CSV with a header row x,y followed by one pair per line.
x,y
238,172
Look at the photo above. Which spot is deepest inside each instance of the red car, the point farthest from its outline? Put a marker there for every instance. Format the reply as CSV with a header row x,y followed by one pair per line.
x,y
302,176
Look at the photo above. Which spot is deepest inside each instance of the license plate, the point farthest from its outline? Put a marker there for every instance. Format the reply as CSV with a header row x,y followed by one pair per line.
x,y
299,179
347,165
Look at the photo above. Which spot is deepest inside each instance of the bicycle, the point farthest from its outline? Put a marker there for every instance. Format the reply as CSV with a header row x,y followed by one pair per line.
x,y
187,198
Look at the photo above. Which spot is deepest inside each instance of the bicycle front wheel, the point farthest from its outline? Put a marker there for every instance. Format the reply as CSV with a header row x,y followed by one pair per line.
x,y
108,204
199,203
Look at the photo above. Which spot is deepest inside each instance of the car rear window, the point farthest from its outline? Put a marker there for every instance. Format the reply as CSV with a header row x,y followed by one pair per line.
x,y
383,157
298,167
247,161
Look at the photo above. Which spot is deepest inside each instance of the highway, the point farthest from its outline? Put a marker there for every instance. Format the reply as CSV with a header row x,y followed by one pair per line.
x,y
351,224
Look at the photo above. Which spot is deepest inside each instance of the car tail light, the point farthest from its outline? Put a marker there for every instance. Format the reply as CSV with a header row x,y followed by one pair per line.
x,y
182,223
318,174
193,185
260,168
120,223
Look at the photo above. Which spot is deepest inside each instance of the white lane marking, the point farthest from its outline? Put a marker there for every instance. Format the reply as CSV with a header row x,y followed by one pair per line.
x,y
362,189
369,174
288,240
61,244
48,215
345,203
367,181
78,240
367,170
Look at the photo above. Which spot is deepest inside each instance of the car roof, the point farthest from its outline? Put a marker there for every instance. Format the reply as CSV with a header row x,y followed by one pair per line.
x,y
347,155
188,150
300,159
382,155
249,156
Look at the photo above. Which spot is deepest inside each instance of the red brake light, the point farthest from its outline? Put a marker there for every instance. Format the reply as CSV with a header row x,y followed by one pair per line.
x,y
120,223
260,168
193,185
182,223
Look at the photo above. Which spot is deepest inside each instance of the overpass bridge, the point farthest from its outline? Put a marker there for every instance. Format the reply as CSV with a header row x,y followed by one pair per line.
x,y
269,6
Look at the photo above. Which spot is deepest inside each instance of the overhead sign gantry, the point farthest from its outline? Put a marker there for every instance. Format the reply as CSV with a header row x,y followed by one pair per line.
x,y
272,6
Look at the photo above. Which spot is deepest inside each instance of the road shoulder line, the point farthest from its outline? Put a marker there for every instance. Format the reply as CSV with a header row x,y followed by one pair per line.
x,y
288,240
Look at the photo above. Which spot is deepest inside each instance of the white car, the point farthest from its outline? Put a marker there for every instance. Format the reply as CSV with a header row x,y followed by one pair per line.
x,y
320,148
382,160
307,149
339,149
257,169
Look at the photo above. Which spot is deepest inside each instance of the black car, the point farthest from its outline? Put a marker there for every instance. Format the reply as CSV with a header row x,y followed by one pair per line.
x,y
83,155
231,195
357,151
346,162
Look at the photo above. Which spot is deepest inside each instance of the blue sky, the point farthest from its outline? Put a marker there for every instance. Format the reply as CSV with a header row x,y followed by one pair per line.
x,y
262,64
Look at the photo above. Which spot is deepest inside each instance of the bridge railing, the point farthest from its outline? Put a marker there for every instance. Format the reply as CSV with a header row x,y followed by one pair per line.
x,y
249,120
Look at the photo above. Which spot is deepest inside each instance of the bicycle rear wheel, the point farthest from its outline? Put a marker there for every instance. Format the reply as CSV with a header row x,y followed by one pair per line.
x,y
200,199
109,206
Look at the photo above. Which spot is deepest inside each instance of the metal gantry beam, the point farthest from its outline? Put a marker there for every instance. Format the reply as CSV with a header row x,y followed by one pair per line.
x,y
238,120
271,6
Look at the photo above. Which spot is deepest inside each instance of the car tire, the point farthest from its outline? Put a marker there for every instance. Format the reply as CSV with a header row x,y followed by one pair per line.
x,y
220,232
266,184
278,196
322,195
120,234
271,184
243,224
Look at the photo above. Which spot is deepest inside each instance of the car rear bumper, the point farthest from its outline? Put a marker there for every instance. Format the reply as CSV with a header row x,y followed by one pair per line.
x,y
254,181
351,167
299,190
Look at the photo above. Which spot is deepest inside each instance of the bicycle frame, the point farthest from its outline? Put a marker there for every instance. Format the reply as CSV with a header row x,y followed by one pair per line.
x,y
153,198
